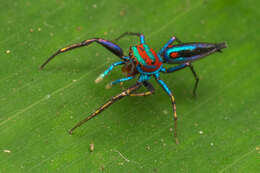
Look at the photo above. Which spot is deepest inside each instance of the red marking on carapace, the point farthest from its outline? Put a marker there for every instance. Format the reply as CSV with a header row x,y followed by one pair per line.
x,y
143,54
149,62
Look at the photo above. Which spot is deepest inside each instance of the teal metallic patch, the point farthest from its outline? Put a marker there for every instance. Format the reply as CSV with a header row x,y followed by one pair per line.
x,y
138,57
178,49
179,59
149,53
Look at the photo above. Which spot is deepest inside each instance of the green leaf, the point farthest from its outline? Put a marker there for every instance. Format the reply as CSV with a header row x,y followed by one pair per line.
x,y
218,131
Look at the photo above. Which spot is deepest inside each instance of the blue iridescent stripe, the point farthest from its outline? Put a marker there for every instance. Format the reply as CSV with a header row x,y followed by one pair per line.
x,y
142,39
143,77
112,45
180,59
111,68
122,80
138,57
148,51
172,69
178,49
139,69
166,45
166,89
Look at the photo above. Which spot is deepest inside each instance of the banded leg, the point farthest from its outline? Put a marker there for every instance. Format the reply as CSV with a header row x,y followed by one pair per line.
x,y
109,85
148,86
107,104
102,75
112,47
169,43
141,36
168,91
182,66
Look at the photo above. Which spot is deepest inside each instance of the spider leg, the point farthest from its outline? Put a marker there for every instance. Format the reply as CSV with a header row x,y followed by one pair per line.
x,y
168,91
141,36
148,86
109,85
102,75
107,104
169,43
112,47
182,66
196,78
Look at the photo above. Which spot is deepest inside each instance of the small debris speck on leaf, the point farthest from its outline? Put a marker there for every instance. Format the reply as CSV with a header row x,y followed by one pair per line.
x,y
31,30
102,168
79,28
122,12
148,147
7,151
91,147
7,51
165,111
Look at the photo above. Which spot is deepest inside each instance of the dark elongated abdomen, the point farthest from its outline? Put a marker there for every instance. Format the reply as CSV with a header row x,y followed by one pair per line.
x,y
187,52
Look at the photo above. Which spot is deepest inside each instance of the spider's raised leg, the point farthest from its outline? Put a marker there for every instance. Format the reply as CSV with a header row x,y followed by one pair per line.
x,y
107,104
115,49
109,85
141,36
182,66
102,75
148,86
168,91
169,43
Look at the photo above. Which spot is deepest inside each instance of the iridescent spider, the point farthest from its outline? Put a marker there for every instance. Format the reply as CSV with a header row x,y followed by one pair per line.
x,y
145,63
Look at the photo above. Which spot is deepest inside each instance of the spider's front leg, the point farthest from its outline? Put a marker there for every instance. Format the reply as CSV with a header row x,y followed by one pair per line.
x,y
102,75
168,91
109,85
169,43
112,47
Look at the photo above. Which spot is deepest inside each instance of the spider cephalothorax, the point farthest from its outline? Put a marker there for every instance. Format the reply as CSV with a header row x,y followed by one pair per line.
x,y
145,63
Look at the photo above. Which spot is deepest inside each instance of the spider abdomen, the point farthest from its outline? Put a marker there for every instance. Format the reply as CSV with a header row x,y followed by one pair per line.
x,y
187,52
